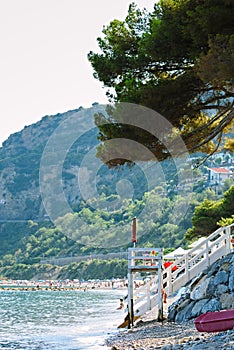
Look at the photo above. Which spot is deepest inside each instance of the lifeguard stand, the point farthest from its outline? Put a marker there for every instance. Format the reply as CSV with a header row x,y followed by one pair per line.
x,y
144,260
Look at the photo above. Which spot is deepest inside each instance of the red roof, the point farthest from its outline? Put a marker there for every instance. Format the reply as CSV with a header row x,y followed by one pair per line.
x,y
220,170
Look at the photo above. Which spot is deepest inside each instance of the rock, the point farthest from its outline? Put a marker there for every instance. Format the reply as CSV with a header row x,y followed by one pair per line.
x,y
227,301
201,291
179,304
211,289
183,292
221,289
212,305
232,259
225,266
196,310
185,314
172,311
221,277
177,347
227,259
183,304
231,281
208,293
214,268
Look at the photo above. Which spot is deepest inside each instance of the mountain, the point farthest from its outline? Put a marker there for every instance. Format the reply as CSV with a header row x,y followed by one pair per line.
x,y
21,158
58,199
21,169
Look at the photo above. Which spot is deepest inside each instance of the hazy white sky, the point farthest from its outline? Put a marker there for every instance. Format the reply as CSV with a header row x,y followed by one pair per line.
x,y
43,58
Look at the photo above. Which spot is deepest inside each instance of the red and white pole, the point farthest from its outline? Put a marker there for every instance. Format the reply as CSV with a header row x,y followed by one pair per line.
x,y
134,233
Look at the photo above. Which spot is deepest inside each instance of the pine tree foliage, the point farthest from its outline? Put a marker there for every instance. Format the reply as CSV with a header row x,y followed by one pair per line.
x,y
177,60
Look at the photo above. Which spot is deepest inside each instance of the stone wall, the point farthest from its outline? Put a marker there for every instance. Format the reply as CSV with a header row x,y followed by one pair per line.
x,y
213,290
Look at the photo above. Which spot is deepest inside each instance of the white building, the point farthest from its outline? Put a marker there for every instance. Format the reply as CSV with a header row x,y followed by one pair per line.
x,y
217,176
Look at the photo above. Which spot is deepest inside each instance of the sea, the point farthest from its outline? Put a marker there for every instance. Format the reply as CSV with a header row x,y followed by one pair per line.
x,y
58,320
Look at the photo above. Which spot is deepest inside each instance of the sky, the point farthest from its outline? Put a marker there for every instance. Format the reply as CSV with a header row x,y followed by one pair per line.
x,y
44,68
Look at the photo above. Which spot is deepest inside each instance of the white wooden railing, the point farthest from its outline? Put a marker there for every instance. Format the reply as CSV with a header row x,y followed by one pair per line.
x,y
184,269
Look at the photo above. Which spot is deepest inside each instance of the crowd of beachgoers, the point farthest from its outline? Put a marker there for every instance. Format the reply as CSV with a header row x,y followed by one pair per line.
x,y
62,284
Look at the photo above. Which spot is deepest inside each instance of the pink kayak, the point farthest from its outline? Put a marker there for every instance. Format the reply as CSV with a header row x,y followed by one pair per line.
x,y
217,321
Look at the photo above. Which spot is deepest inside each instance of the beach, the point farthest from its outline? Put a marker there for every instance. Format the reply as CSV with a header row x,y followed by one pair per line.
x,y
152,335
148,334
27,285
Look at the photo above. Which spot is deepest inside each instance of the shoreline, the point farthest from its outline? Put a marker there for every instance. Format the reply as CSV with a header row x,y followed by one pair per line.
x,y
152,335
149,334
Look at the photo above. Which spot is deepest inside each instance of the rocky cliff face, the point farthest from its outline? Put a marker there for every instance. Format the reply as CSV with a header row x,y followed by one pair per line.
x,y
20,158
213,290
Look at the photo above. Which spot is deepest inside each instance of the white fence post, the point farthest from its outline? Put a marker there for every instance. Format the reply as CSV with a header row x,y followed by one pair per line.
x,y
207,254
228,240
170,289
186,267
160,299
148,297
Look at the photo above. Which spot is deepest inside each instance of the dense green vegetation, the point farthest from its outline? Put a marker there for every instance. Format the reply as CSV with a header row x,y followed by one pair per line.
x,y
92,269
29,271
161,225
95,269
177,60
211,214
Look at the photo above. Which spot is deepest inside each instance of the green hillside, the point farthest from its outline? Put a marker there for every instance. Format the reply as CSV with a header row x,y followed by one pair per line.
x,y
101,223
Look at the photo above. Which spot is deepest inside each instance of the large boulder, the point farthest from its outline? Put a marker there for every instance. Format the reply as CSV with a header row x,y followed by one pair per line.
x,y
200,292
211,306
196,310
231,281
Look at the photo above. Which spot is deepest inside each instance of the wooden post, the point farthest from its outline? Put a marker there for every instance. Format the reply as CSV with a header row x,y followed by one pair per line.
x,y
131,263
130,277
132,312
130,299
134,233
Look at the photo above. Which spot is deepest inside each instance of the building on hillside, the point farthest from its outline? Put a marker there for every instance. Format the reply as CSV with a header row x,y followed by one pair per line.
x,y
217,176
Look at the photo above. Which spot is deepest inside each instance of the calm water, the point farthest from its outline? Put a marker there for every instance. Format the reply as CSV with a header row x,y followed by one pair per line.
x,y
58,320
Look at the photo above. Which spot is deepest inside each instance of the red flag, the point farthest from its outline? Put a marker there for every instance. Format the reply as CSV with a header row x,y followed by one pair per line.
x,y
134,234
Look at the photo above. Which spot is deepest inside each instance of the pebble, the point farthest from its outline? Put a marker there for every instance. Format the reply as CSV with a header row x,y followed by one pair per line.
x,y
149,334
170,336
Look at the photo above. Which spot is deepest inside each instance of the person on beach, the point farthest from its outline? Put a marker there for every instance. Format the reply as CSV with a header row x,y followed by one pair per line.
x,y
121,304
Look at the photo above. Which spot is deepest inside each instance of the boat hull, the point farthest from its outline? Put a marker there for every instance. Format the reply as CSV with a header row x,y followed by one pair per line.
x,y
217,321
